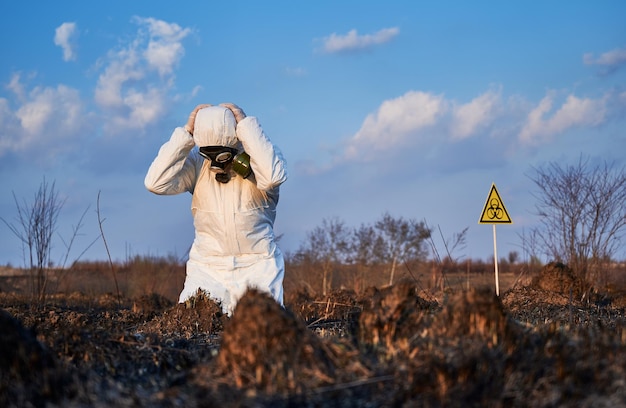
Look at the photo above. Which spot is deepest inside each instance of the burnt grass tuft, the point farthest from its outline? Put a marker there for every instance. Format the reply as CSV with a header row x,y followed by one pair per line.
x,y
546,344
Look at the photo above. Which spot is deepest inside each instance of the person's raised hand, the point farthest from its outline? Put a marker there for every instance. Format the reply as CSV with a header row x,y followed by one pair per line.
x,y
192,117
236,110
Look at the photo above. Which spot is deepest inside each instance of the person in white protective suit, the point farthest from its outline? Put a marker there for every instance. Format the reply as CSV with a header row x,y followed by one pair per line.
x,y
225,160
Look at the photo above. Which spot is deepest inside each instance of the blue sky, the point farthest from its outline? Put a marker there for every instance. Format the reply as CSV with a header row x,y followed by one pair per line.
x,y
408,107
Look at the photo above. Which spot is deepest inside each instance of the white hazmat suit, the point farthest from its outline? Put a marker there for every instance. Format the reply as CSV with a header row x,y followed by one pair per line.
x,y
234,246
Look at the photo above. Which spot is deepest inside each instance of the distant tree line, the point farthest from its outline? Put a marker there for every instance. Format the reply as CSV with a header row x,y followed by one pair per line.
x,y
384,245
582,220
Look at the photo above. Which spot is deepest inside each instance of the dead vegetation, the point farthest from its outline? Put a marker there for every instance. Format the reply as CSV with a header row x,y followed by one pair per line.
x,y
544,344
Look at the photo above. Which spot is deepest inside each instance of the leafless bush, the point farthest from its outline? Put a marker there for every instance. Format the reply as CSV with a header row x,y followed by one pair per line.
x,y
34,226
582,214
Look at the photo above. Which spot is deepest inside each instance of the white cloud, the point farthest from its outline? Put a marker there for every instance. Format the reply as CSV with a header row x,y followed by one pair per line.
x,y
395,123
574,112
478,113
144,107
132,92
434,123
49,121
196,90
134,83
164,49
123,66
353,41
611,58
10,127
15,85
65,37
608,62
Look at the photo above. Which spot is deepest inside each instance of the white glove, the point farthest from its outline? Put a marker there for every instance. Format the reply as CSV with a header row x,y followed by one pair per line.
x,y
192,117
236,110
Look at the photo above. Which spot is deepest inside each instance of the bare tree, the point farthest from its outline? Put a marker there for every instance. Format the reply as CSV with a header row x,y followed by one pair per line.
x,y
366,245
582,213
328,246
403,240
36,224
333,246
513,257
366,250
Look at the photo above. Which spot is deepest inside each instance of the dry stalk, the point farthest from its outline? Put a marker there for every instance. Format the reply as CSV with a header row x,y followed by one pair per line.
x,y
106,246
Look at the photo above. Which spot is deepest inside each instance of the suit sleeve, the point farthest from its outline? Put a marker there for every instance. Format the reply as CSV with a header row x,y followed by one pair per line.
x,y
173,171
266,160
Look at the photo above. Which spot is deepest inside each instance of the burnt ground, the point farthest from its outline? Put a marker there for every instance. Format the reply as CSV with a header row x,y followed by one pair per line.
x,y
547,344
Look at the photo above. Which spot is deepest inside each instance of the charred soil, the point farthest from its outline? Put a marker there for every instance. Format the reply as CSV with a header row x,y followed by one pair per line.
x,y
549,343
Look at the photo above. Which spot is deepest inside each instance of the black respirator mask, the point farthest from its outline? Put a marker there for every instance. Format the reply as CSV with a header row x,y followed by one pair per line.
x,y
223,158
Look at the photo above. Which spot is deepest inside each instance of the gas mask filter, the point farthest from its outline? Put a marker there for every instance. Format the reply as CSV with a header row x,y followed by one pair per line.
x,y
223,157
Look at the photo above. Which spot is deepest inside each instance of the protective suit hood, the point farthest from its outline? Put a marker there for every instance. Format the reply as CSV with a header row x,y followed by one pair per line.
x,y
215,126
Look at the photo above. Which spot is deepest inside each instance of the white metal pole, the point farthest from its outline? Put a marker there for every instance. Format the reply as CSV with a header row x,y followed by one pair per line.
x,y
495,260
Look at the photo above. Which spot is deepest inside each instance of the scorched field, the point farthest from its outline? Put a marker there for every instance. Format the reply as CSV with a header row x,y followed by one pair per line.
x,y
544,344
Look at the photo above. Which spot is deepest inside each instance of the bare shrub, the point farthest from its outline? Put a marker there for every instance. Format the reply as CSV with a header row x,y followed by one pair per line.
x,y
582,214
36,224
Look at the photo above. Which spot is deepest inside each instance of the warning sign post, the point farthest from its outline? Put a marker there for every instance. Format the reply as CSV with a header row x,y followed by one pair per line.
x,y
494,213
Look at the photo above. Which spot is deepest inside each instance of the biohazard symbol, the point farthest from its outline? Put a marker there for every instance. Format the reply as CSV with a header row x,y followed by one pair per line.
x,y
494,211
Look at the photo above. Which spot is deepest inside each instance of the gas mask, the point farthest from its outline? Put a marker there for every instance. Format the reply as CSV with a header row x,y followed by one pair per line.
x,y
224,158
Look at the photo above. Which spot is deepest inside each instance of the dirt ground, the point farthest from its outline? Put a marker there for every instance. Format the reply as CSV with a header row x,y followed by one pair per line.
x,y
548,343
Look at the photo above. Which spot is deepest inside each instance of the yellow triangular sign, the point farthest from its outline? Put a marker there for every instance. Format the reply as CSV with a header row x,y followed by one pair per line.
x,y
494,211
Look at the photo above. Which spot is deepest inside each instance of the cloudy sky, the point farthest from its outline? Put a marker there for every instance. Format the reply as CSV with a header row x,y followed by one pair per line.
x,y
413,108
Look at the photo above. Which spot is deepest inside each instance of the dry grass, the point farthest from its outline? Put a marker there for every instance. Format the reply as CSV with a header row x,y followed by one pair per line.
x,y
403,345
